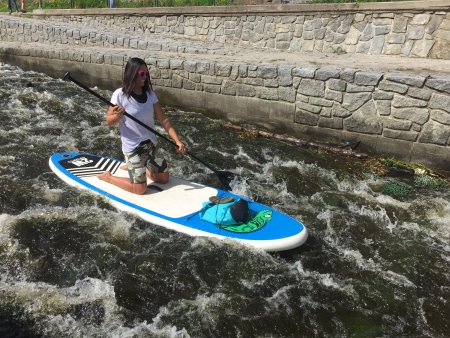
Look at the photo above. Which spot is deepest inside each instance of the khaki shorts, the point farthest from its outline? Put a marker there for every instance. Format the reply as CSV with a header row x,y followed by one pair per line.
x,y
144,156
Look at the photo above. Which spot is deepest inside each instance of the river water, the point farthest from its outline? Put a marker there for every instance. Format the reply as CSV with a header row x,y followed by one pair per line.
x,y
73,266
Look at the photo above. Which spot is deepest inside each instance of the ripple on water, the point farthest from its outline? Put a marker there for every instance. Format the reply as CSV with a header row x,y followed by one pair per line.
x,y
73,266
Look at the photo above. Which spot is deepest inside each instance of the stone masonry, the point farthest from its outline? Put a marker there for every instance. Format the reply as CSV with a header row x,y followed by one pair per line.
x,y
415,33
391,105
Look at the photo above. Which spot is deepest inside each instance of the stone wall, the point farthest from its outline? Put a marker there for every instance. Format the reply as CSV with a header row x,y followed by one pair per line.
x,y
401,113
416,30
413,108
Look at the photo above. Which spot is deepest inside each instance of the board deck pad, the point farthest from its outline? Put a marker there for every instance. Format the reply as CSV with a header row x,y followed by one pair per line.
x,y
177,204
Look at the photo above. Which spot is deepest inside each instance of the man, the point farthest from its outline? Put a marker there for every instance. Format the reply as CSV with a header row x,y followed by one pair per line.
x,y
10,2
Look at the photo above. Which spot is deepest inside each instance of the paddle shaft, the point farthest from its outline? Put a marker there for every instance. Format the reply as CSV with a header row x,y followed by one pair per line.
x,y
67,76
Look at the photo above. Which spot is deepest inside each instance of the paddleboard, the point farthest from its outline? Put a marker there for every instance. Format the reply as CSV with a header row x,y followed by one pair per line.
x,y
177,204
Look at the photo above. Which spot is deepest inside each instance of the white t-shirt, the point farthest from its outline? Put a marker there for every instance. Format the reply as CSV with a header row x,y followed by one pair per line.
x,y
131,133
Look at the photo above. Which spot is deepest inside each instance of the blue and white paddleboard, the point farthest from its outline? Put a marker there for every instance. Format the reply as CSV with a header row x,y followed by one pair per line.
x,y
176,205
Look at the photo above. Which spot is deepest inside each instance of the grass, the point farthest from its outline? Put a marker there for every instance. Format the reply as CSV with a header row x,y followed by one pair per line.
x,y
67,4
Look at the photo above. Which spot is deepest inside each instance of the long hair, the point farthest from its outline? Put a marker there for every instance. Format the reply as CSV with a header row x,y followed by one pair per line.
x,y
130,74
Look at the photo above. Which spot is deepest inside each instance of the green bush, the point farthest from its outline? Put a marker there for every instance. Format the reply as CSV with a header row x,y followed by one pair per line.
x,y
428,182
398,190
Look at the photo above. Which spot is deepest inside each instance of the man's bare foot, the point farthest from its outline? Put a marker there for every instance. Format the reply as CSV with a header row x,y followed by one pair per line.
x,y
124,167
106,176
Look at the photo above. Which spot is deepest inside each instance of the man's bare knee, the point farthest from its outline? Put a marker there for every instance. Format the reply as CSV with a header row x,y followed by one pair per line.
x,y
160,177
139,189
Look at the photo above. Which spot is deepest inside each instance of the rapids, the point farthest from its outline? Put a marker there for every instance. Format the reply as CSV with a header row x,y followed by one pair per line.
x,y
73,266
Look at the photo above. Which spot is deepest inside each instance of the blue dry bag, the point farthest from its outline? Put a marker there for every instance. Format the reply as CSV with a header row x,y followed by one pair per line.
x,y
225,213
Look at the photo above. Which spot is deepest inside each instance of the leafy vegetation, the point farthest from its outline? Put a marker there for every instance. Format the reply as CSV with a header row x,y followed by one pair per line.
x,y
350,1
428,182
67,4
392,162
398,190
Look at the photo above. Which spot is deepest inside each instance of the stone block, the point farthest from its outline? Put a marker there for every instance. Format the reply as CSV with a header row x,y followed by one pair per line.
x,y
353,101
118,60
245,90
253,81
421,48
397,124
334,95
287,94
382,95
301,98
401,135
223,69
177,81
400,24
175,64
363,47
195,77
320,102
207,79
325,112
351,88
348,74
433,132
267,93
420,19
407,47
368,33
393,87
353,36
417,115
285,75
267,72
439,83
243,71
335,84
333,123
383,107
190,66
204,67
338,111
415,32
434,23
189,85
228,88
210,88
382,30
308,107
419,93
365,120
310,87
401,101
327,72
440,50
439,101
396,38
408,79
377,45
440,116
272,83
304,117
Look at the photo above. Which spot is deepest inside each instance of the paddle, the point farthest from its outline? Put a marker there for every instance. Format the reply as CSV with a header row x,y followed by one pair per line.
x,y
224,176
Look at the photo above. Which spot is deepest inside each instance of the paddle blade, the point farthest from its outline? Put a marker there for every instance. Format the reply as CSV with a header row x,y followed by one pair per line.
x,y
66,76
225,177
